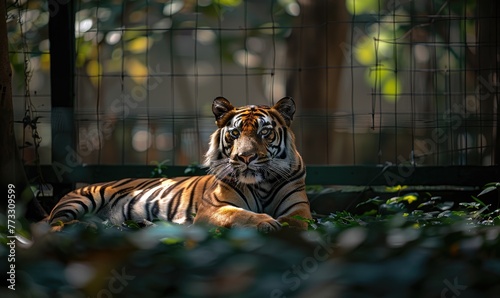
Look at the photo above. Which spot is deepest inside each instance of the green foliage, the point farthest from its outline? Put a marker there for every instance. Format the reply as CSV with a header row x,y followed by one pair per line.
x,y
160,169
422,209
191,168
412,244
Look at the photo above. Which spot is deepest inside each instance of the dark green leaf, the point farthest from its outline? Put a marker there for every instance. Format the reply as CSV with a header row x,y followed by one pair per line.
x,y
376,201
427,204
487,190
470,205
392,208
479,201
131,224
445,205
480,211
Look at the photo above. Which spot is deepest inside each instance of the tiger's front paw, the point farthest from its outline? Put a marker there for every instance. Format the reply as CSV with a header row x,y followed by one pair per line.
x,y
269,225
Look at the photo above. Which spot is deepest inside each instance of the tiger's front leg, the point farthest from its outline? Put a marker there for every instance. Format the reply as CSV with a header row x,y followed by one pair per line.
x,y
230,216
299,216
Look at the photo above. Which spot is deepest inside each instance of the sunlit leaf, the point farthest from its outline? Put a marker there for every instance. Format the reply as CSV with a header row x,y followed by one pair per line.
x,y
410,198
358,7
137,71
137,32
139,45
378,75
94,71
365,51
395,188
45,62
230,3
391,88
83,54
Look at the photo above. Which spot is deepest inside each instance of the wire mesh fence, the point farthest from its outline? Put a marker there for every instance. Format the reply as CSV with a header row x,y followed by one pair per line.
x,y
404,82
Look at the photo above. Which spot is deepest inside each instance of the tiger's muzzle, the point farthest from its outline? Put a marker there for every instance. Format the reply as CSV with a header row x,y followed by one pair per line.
x,y
248,159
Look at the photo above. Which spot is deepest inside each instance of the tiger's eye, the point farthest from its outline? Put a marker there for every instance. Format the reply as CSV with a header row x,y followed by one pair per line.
x,y
235,133
264,132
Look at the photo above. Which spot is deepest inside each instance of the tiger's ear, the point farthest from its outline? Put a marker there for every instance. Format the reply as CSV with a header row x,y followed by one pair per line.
x,y
286,107
220,108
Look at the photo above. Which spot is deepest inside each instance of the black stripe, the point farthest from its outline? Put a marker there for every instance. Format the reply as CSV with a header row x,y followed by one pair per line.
x,y
173,186
256,198
275,116
102,192
156,209
283,136
64,213
147,209
188,212
285,198
136,199
148,201
129,209
171,209
90,197
80,202
290,207
175,202
295,176
242,196
124,215
119,183
223,203
152,196
149,183
117,196
63,207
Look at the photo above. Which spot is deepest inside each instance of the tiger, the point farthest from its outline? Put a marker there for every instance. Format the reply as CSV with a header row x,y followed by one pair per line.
x,y
255,179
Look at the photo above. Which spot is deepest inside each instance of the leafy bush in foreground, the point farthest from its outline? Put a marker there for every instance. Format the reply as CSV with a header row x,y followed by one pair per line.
x,y
411,245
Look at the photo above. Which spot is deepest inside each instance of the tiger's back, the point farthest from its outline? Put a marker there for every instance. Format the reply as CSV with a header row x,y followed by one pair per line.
x,y
169,199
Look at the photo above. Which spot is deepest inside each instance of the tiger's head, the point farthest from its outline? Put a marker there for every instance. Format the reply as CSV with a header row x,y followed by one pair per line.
x,y
252,143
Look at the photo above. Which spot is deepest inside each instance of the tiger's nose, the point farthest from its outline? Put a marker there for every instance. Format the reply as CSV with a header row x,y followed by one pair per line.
x,y
247,157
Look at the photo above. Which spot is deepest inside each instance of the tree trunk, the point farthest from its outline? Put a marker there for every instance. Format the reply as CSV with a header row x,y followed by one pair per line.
x,y
11,167
315,52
